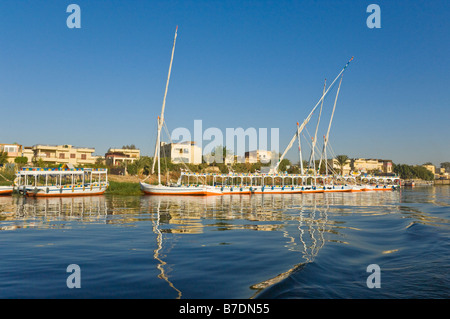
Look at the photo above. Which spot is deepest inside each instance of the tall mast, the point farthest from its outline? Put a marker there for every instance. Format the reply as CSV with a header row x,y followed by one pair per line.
x,y
300,128
311,159
161,118
325,138
300,153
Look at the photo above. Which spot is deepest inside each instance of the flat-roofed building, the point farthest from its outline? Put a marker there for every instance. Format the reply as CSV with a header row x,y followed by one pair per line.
x,y
346,169
132,153
28,152
122,156
431,168
256,156
64,154
184,152
365,165
372,165
12,151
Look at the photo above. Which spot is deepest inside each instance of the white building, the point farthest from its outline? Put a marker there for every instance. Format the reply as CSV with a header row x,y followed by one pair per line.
x,y
262,156
186,152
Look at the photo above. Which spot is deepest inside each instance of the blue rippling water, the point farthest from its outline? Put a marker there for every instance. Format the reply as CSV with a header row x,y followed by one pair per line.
x,y
259,246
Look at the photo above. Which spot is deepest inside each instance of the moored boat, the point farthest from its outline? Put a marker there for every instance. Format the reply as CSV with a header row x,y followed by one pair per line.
x,y
57,182
194,190
385,187
170,189
409,183
275,182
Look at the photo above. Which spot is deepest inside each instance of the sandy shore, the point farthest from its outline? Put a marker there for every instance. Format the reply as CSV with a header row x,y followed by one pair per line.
x,y
125,179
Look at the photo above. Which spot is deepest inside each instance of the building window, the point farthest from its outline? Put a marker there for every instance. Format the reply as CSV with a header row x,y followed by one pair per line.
x,y
83,156
10,149
61,155
72,155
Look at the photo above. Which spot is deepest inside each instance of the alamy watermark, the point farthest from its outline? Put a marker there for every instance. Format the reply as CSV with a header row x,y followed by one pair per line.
x,y
74,279
231,146
374,19
74,19
374,280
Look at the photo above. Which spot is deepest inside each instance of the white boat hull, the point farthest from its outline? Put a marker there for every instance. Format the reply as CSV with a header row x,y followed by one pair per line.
x,y
205,190
58,191
385,187
283,190
179,190
6,190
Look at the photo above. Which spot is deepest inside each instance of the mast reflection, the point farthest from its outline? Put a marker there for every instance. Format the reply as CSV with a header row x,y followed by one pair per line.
x,y
156,253
268,212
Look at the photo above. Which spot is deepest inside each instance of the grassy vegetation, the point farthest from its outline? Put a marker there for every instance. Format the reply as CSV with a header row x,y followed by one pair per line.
x,y
123,188
7,175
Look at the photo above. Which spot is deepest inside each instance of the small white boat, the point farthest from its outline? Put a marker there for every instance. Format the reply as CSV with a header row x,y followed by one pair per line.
x,y
337,188
6,190
179,190
380,187
56,182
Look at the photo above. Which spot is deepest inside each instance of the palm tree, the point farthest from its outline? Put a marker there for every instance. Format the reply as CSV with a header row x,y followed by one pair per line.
x,y
3,157
341,161
99,162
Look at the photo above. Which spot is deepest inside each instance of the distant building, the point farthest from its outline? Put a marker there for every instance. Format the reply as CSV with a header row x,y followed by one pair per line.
x,y
335,166
118,156
372,165
28,152
256,156
12,150
230,159
63,154
442,174
431,168
365,165
132,153
388,166
185,152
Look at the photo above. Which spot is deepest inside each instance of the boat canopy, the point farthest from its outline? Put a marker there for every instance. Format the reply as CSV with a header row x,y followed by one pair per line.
x,y
34,171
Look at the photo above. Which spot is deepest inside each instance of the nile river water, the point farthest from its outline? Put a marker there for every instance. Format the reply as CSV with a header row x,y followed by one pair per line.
x,y
258,246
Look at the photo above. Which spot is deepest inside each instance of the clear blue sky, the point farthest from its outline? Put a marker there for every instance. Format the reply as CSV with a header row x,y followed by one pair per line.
x,y
237,64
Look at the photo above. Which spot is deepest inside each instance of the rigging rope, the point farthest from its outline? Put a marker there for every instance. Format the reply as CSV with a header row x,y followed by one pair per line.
x,y
5,178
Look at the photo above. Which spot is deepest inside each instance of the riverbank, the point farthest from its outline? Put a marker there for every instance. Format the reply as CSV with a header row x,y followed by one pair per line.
x,y
123,185
129,184
420,182
416,182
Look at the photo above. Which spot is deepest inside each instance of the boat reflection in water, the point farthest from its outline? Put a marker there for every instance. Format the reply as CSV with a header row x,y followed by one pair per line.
x,y
241,241
23,212
302,221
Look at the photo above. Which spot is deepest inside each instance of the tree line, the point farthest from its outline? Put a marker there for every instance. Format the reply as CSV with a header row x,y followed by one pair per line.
x,y
403,170
413,172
